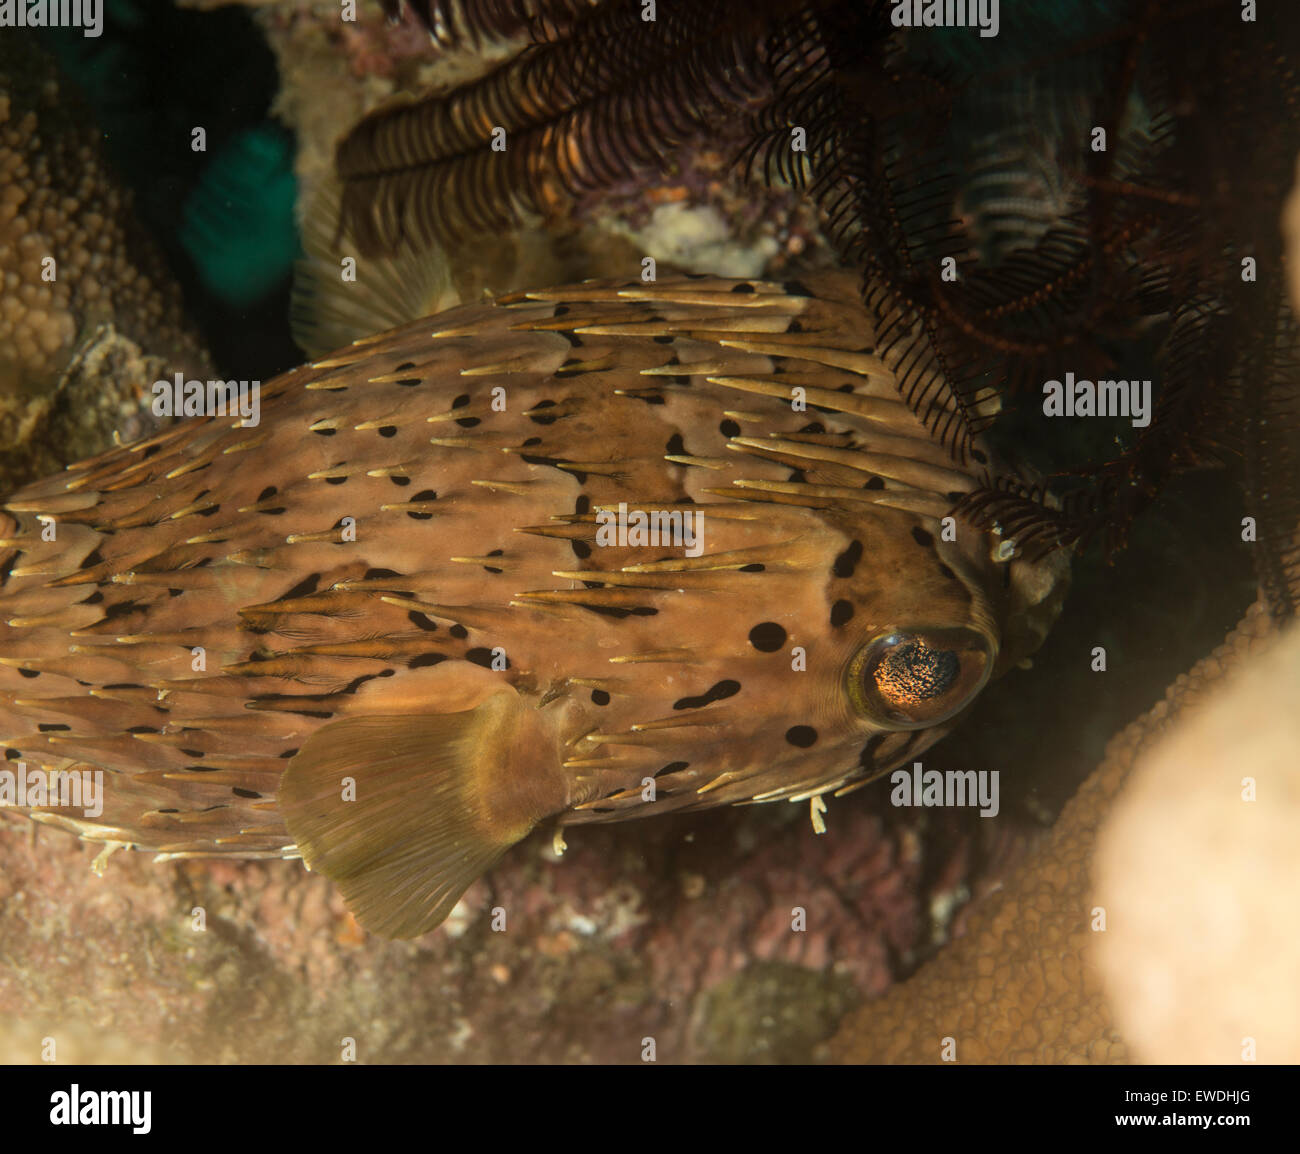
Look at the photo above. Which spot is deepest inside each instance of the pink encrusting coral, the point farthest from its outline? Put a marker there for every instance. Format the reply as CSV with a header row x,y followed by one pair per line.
x,y
678,929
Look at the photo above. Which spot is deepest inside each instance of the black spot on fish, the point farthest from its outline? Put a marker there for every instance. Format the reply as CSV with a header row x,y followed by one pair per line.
x,y
767,637
531,441
240,792
921,537
381,574
841,612
794,327
794,288
867,757
618,612
423,660
582,504
266,494
51,728
94,599
304,587
673,767
398,480
321,713
581,549
676,447
743,288
468,422
801,735
459,632
719,692
324,432
461,401
387,430
195,753
846,388
561,311
13,755
543,418
554,463
662,340
151,451
483,657
847,561
575,341
409,382
143,729
752,568
492,568
797,477
813,427
420,621
358,682
875,483
29,673
336,480
124,685
113,612
729,428
422,495
93,558
599,697
288,753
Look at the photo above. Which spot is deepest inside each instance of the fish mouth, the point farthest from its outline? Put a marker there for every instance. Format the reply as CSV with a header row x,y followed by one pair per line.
x,y
1037,590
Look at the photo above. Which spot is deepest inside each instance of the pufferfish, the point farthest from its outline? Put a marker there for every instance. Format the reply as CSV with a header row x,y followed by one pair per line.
x,y
394,627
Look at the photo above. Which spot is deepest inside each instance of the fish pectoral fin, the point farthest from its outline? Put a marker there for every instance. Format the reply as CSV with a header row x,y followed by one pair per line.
x,y
403,813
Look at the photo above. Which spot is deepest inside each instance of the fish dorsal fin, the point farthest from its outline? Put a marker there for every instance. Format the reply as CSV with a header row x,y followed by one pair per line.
x,y
331,307
403,813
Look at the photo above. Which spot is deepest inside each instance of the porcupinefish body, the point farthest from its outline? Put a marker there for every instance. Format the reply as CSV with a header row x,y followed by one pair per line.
x,y
573,555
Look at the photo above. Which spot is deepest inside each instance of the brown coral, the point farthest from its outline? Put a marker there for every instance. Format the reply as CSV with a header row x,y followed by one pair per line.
x,y
87,305
1199,870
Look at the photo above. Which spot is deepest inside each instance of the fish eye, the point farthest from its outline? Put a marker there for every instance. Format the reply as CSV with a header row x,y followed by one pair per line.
x,y
911,678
